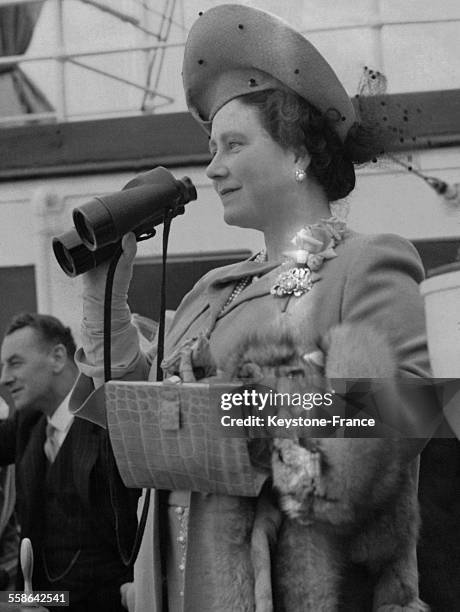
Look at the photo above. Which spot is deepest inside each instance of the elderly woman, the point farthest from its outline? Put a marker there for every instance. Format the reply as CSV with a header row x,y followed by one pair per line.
x,y
284,138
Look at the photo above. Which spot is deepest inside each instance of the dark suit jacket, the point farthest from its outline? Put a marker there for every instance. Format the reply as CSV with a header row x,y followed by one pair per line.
x,y
21,442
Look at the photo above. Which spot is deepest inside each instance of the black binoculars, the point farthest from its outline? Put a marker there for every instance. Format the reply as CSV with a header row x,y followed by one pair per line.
x,y
101,223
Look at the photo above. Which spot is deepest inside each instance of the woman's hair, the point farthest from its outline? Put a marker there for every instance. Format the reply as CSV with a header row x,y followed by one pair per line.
x,y
297,125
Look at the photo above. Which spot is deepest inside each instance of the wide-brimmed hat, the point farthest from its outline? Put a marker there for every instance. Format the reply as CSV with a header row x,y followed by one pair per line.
x,y
233,50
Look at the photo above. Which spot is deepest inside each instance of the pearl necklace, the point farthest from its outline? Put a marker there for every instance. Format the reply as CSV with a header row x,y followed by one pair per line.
x,y
243,282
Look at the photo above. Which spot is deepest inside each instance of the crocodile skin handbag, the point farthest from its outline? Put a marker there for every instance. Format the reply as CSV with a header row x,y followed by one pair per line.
x,y
167,436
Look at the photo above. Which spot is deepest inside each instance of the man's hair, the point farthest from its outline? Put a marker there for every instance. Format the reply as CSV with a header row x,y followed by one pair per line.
x,y
50,329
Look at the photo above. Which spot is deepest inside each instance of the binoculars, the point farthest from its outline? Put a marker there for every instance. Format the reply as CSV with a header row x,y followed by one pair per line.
x,y
101,223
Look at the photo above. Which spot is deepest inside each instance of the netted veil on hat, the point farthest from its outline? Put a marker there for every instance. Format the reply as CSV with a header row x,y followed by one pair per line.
x,y
233,50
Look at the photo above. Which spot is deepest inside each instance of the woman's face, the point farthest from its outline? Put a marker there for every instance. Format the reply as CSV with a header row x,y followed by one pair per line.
x,y
252,174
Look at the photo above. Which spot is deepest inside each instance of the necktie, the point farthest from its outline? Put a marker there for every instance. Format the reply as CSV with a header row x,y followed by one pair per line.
x,y
51,446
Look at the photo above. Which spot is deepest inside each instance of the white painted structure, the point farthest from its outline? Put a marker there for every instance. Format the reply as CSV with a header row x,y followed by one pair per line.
x,y
416,44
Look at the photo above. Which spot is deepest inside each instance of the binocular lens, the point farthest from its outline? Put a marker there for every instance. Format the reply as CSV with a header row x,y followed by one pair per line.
x,y
75,258
101,223
85,229
63,257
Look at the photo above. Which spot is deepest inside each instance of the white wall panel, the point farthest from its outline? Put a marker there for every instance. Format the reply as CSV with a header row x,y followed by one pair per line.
x,y
422,57
348,51
413,10
319,14
16,229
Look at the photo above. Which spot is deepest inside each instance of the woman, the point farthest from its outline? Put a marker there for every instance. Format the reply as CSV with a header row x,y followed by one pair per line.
x,y
283,139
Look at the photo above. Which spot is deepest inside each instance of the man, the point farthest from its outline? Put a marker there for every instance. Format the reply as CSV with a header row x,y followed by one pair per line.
x,y
70,499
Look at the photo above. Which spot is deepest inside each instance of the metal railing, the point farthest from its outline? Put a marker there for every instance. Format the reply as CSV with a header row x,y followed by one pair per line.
x,y
150,87
64,57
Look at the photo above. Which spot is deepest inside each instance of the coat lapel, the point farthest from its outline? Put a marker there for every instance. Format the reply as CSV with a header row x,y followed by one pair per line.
x,y
260,287
84,438
31,471
181,325
213,296
222,286
209,299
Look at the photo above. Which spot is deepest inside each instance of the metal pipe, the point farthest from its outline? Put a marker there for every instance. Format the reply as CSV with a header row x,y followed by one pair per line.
x,y
60,68
120,79
15,59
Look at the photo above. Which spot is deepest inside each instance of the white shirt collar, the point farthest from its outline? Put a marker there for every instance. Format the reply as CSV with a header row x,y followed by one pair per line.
x,y
62,417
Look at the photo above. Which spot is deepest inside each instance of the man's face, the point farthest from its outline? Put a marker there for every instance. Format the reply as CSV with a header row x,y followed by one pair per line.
x,y
28,368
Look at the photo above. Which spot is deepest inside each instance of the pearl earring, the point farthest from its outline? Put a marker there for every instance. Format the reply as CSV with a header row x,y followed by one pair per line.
x,y
300,175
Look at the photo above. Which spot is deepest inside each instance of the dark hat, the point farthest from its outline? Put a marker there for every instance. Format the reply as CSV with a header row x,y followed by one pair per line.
x,y
233,50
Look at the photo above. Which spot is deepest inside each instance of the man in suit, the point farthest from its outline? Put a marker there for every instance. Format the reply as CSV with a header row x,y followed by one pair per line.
x,y
71,502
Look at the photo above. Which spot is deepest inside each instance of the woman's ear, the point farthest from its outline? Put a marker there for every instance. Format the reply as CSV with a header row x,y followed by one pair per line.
x,y
302,161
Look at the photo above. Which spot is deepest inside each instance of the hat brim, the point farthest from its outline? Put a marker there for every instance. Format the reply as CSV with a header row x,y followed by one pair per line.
x,y
233,50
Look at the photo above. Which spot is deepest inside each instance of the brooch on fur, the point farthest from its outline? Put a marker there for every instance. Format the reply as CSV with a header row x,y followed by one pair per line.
x,y
313,245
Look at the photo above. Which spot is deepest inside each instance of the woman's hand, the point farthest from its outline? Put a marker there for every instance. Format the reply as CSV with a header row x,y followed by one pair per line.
x,y
126,356
94,280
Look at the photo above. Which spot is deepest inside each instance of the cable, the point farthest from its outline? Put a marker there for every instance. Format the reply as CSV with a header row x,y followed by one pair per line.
x,y
118,15
446,190
108,314
168,216
113,469
111,463
149,9
128,561
165,28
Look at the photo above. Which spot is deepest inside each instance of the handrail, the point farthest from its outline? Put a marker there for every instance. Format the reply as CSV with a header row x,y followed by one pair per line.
x,y
377,23
152,92
64,57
